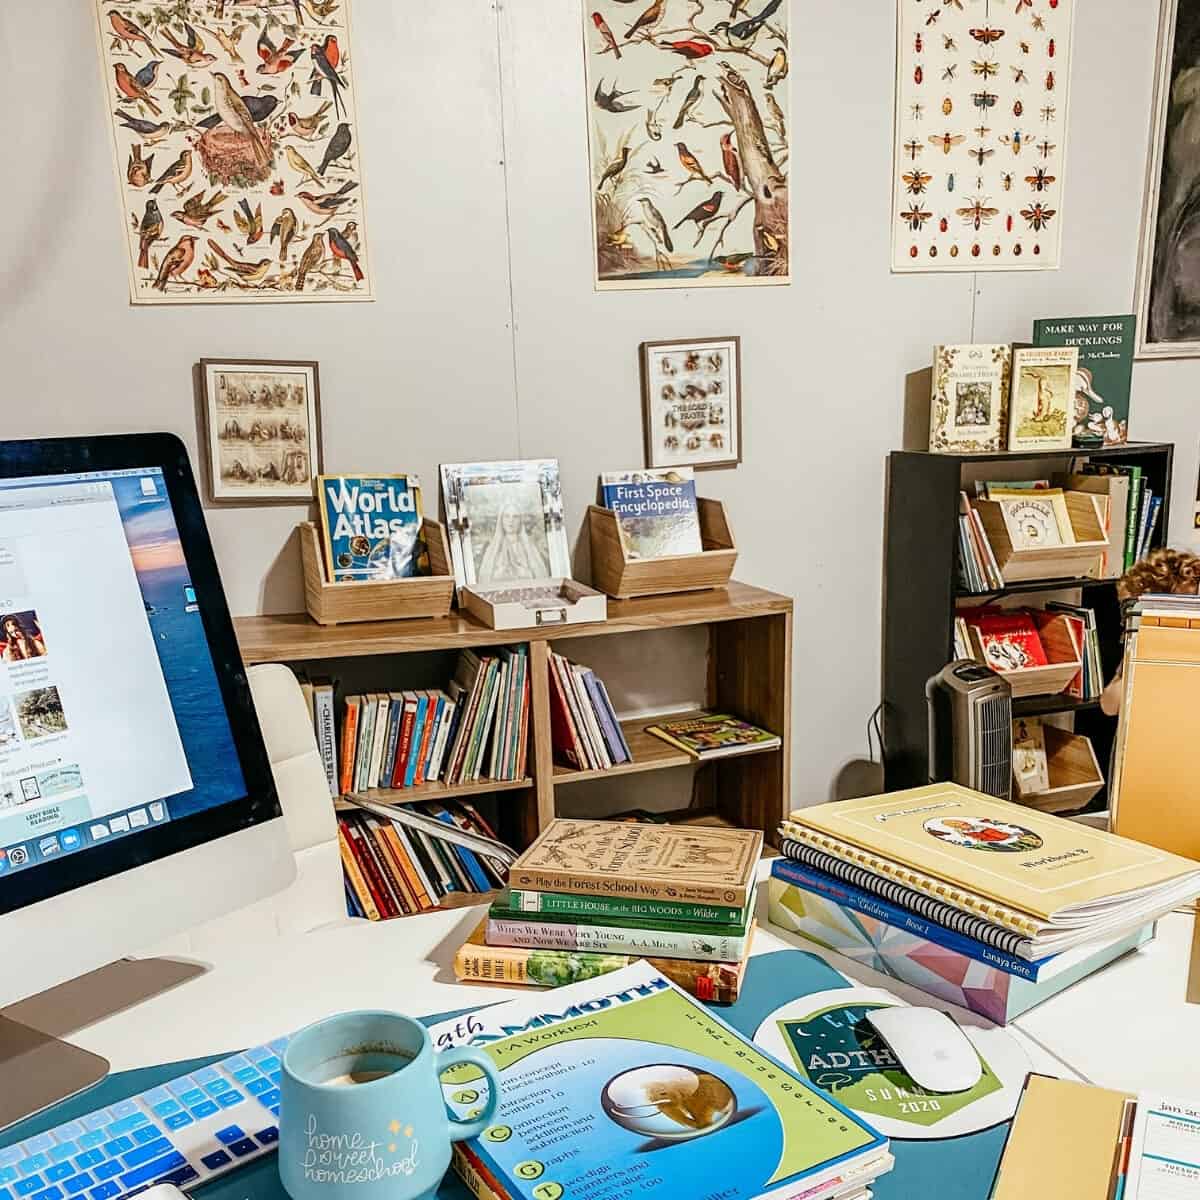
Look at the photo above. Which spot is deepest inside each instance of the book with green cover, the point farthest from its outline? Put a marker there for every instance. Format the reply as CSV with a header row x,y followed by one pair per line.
x,y
642,1090
1104,376
1134,474
503,909
619,908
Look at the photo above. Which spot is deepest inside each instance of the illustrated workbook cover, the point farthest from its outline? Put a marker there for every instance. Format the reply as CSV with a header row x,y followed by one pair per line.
x,y
1035,862
371,527
696,863
624,1085
1103,377
656,511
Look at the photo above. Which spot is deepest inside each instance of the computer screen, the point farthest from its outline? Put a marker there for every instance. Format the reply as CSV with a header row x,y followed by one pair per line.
x,y
112,720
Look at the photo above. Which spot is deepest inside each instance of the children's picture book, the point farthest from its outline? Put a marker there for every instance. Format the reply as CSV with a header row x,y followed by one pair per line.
x,y
505,521
1031,772
1009,640
664,1100
1035,518
1043,397
1103,377
713,735
371,527
692,863
657,514
969,405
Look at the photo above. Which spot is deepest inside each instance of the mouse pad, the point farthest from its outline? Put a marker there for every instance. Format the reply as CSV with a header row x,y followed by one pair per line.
x,y
804,1012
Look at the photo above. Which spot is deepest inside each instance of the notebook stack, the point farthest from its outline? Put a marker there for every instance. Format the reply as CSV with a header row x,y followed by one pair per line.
x,y
589,897
987,904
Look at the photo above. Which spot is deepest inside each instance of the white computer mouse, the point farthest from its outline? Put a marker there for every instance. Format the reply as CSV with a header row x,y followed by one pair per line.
x,y
929,1045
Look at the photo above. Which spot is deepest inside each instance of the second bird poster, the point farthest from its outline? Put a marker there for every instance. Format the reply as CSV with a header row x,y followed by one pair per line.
x,y
688,104
236,141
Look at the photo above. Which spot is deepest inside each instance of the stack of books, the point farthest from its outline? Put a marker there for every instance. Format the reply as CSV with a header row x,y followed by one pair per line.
x,y
584,729
589,897
394,871
476,729
980,902
709,735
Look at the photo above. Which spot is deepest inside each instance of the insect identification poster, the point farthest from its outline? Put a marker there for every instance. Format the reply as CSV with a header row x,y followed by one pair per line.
x,y
688,119
981,126
235,136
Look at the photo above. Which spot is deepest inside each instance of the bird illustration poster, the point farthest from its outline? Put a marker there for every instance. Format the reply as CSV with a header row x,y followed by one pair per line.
x,y
235,136
981,130
688,114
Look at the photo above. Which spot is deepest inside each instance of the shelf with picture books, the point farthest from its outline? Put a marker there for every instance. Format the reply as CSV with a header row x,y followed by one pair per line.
x,y
929,596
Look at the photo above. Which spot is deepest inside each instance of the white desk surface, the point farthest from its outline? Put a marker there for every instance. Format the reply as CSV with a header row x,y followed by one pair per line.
x,y
1127,1026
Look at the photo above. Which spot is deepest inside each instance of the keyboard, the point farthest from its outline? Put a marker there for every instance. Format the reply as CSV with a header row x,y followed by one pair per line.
x,y
186,1132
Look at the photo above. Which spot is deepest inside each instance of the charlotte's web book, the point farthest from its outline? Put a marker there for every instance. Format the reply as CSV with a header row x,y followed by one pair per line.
x,y
656,511
371,527
624,1085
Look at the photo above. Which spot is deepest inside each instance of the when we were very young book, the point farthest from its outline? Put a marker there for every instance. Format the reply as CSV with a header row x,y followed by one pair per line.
x,y
624,1085
371,527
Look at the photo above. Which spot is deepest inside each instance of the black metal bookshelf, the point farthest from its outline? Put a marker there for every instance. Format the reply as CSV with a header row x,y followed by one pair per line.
x,y
921,593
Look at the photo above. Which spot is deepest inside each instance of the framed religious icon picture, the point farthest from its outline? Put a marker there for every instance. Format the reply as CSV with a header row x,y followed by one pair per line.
x,y
692,402
262,430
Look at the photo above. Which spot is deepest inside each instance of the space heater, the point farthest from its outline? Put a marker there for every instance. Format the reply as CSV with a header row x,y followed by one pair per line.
x,y
970,728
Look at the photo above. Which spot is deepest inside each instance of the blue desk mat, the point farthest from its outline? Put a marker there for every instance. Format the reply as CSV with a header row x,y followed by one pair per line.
x,y
960,1168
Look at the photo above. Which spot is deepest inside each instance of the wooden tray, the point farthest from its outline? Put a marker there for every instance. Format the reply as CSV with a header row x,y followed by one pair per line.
x,y
385,600
1075,775
1064,662
625,578
1084,558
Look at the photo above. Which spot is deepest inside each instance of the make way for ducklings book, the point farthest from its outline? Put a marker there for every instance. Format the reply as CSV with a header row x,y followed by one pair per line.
x,y
626,1086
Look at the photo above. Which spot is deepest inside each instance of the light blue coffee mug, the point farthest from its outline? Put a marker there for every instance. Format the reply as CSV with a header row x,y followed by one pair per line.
x,y
362,1114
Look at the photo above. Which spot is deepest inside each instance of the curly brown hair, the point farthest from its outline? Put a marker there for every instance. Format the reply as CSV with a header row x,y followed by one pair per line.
x,y
1161,572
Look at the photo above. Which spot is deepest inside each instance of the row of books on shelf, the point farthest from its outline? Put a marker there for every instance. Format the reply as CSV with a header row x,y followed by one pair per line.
x,y
584,729
1015,639
476,729
898,882
392,870
589,897
1033,515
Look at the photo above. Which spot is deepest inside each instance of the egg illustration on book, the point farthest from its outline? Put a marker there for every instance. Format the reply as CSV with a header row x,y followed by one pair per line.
x,y
668,1101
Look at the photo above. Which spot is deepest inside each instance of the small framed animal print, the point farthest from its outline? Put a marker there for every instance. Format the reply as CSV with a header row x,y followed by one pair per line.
x,y
262,427
692,402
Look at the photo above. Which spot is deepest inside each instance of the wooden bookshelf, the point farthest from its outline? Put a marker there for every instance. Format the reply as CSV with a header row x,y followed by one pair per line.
x,y
921,592
749,654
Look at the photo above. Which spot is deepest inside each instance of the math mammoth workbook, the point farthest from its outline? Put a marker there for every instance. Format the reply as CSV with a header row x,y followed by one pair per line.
x,y
625,1086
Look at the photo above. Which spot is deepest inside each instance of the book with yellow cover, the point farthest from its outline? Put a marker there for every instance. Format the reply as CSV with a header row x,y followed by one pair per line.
x,y
1024,869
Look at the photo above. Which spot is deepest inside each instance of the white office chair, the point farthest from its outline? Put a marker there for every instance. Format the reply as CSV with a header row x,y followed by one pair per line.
x,y
317,896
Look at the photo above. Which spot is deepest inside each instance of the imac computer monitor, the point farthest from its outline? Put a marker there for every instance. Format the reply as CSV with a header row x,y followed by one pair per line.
x,y
136,796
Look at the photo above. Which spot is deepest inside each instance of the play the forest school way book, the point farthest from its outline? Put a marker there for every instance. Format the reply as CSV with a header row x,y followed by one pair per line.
x,y
371,527
639,1066
687,863
1018,867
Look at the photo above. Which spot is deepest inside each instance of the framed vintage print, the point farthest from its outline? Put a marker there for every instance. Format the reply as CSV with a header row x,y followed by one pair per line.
x,y
505,521
262,430
1168,281
692,402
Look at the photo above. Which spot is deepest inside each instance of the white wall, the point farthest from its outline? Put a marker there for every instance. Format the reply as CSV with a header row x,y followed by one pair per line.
x,y
487,340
